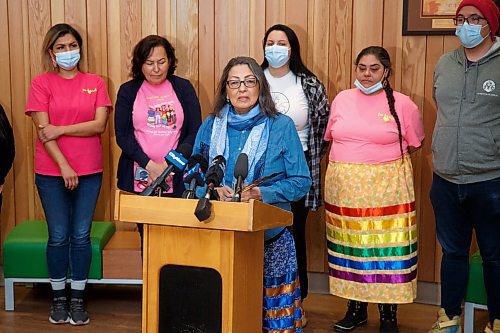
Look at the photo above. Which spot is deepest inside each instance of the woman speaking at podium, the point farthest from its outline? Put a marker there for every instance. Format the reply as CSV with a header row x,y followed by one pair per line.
x,y
245,120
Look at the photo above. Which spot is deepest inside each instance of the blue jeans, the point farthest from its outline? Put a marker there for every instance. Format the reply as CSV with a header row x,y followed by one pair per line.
x,y
458,209
69,219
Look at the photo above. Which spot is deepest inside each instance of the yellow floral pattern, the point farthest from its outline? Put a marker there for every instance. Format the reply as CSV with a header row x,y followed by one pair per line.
x,y
381,185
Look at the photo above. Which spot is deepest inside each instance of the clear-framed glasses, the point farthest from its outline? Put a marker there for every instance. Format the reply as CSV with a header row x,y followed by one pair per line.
x,y
249,82
473,19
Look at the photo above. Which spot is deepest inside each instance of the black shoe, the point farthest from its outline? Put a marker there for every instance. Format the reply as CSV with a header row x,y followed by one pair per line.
x,y
355,316
78,313
59,311
388,318
389,326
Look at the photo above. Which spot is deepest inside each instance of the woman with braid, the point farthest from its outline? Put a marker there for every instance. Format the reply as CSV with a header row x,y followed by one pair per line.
x,y
369,196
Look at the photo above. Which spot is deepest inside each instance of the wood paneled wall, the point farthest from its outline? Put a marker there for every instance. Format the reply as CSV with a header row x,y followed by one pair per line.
x,y
206,34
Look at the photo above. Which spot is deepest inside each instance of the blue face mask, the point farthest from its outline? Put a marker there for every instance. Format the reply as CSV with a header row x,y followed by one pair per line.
x,y
470,34
68,60
276,55
368,91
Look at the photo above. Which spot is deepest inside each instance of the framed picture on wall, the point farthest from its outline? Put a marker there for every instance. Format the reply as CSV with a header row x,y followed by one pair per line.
x,y
429,17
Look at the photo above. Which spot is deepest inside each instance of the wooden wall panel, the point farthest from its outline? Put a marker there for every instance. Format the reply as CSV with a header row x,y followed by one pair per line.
x,y
392,39
206,34
57,11
340,47
8,211
187,40
427,231
149,17
207,76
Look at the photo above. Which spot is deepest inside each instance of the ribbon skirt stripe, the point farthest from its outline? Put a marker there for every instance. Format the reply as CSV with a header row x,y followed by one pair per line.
x,y
282,305
371,231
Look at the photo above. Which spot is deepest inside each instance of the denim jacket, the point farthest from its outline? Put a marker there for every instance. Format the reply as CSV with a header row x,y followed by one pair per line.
x,y
283,155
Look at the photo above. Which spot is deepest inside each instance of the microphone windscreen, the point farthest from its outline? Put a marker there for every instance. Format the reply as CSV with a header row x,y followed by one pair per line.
x,y
241,167
215,173
185,149
198,159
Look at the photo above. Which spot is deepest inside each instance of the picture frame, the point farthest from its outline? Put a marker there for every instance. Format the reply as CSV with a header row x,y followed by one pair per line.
x,y
429,17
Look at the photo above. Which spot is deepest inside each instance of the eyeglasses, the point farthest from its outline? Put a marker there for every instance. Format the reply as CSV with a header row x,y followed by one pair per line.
x,y
249,82
473,19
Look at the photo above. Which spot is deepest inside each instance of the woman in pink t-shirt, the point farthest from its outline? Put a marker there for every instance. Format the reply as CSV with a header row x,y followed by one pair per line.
x,y
156,111
70,111
369,195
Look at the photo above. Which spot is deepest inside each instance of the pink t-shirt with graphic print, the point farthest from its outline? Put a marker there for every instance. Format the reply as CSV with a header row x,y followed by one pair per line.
x,y
68,102
362,129
157,117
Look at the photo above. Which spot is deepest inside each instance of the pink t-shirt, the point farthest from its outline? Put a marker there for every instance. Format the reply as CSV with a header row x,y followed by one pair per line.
x,y
157,117
68,102
362,129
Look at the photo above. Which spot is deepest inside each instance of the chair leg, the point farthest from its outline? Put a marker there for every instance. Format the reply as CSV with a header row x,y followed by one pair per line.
x,y
9,294
469,317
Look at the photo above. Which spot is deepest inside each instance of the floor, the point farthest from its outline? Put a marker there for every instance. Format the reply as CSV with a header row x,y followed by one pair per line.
x,y
116,309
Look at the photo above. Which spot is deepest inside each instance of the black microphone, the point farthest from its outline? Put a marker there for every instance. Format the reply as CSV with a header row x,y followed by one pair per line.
x,y
240,173
213,178
177,161
195,175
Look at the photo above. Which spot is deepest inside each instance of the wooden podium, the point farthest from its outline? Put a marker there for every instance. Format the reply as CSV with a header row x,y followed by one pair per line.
x,y
231,242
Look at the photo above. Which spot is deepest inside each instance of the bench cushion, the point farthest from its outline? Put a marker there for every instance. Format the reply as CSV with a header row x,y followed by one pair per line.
x,y
24,249
476,292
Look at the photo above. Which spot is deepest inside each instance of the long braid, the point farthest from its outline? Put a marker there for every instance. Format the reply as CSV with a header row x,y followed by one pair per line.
x,y
391,101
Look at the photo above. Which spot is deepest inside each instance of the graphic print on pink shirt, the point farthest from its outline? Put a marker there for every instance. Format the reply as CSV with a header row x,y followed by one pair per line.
x,y
157,118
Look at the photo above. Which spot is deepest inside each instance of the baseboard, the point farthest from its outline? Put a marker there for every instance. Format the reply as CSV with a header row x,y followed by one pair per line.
x,y
427,292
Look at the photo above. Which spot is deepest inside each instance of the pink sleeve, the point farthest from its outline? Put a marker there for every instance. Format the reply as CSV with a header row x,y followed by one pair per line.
x,y
102,95
328,132
413,124
38,96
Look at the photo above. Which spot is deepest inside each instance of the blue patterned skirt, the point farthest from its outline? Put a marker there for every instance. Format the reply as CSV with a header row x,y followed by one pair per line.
x,y
282,307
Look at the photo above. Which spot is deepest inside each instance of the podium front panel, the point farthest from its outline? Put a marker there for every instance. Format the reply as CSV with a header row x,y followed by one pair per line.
x,y
190,300
236,256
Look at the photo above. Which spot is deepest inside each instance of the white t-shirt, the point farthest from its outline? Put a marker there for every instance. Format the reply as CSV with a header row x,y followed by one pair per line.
x,y
290,99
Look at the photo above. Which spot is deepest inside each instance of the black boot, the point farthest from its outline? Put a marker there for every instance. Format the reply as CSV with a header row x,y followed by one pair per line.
x,y
388,318
355,316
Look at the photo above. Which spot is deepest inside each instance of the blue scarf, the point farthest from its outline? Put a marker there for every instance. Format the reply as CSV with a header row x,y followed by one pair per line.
x,y
257,140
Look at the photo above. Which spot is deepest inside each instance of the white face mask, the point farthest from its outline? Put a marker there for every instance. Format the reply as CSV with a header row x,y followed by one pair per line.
x,y
276,55
68,60
370,90
470,34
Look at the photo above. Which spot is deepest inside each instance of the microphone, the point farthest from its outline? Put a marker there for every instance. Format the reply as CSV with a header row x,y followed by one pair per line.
x,y
176,162
195,175
213,178
240,173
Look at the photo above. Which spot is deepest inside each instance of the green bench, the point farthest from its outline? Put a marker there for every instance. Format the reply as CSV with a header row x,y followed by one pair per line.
x,y
475,297
24,256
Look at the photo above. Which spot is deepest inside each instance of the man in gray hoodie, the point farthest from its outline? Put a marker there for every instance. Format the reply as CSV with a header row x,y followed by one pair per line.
x,y
465,191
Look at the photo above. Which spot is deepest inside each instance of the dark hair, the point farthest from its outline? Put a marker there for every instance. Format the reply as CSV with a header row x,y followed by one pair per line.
x,y
296,64
383,56
143,50
51,36
265,100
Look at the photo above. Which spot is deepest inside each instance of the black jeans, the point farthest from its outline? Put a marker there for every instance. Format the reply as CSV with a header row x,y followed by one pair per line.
x,y
299,235
459,208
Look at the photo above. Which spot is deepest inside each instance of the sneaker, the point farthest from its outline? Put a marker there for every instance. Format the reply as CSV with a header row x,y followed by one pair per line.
x,y
493,329
355,316
446,325
77,312
59,311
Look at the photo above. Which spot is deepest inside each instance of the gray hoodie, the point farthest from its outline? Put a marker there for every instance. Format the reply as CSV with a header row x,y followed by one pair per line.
x,y
466,138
